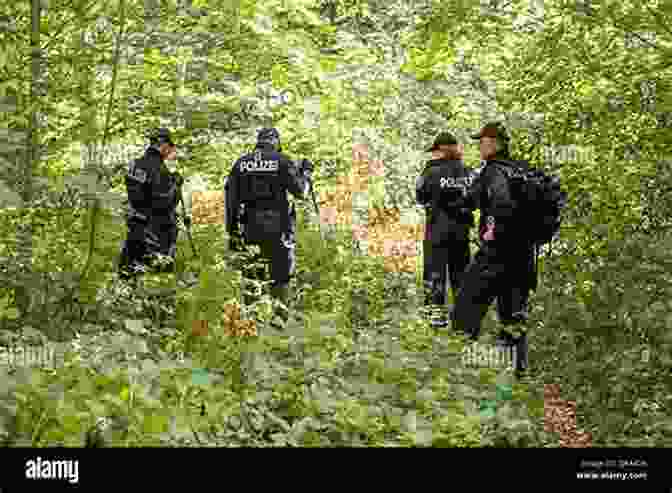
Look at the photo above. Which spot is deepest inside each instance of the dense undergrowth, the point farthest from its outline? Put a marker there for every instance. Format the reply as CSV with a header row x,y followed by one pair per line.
x,y
356,366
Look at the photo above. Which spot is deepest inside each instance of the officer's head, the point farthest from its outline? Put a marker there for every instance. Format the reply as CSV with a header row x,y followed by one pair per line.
x,y
446,147
494,140
162,141
269,137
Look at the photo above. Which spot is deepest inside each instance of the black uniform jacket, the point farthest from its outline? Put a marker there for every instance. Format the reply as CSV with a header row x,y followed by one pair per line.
x,y
441,189
152,196
257,205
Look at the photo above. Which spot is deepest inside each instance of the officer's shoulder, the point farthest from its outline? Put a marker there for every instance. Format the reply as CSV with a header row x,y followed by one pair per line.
x,y
149,159
462,166
283,160
490,171
139,161
281,156
432,166
248,156
138,174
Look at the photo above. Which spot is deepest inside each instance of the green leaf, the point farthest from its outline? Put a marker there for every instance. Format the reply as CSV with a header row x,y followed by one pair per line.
x,y
115,401
96,408
125,394
488,404
11,313
200,376
488,413
36,377
504,392
70,424
154,424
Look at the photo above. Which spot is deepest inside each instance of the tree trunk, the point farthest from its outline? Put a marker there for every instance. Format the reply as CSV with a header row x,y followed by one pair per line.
x,y
32,158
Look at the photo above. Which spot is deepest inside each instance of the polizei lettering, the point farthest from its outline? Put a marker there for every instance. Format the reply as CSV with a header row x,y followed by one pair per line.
x,y
462,183
260,165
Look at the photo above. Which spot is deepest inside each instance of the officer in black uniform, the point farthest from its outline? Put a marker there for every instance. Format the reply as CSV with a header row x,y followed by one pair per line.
x,y
152,203
258,210
441,189
503,269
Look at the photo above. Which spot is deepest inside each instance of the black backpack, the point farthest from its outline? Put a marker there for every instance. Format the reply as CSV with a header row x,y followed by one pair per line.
x,y
540,199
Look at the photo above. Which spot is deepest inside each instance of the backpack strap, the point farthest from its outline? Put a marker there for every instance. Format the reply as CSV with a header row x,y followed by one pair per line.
x,y
508,165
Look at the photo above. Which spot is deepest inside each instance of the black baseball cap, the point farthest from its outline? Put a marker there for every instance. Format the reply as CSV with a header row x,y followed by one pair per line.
x,y
443,139
268,136
494,130
161,136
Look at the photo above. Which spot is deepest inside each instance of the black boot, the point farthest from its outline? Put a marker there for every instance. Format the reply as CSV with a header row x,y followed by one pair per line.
x,y
505,345
515,351
521,355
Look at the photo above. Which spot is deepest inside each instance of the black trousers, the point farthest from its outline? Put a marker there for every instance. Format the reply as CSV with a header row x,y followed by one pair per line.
x,y
140,250
444,262
141,247
504,275
277,255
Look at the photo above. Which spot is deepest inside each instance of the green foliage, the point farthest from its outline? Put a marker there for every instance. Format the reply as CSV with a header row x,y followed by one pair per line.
x,y
356,366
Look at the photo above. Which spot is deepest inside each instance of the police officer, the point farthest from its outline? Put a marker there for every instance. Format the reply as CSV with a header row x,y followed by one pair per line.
x,y
440,189
258,210
152,197
503,269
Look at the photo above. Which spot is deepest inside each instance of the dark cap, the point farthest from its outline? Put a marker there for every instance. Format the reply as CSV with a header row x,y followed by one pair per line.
x,y
268,136
494,130
443,139
161,136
